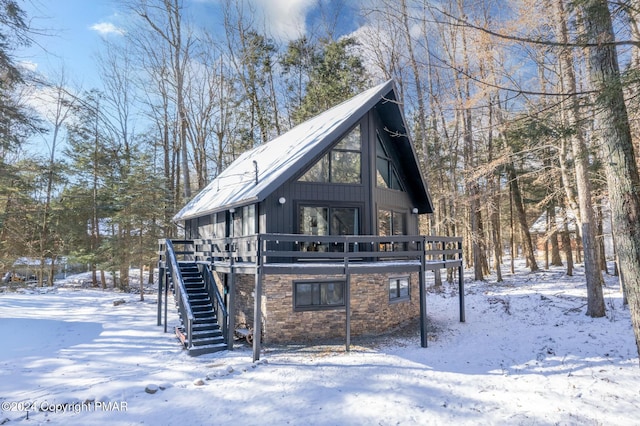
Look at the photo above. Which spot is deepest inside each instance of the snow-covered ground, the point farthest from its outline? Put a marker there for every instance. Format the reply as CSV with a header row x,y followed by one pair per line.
x,y
527,355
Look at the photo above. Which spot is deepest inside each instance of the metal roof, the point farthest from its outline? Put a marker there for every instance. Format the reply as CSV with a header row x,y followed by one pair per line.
x,y
258,172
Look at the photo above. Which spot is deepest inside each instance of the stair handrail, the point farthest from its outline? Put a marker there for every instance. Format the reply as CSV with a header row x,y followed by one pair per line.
x,y
180,293
218,302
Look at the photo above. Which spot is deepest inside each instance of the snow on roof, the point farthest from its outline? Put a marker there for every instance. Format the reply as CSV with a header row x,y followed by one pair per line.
x,y
257,172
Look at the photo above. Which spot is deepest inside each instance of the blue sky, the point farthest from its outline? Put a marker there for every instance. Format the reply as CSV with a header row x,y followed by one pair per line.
x,y
72,39
73,32
76,29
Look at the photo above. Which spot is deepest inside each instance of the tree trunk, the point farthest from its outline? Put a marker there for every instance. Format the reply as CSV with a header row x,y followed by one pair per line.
x,y
620,160
593,275
527,245
556,260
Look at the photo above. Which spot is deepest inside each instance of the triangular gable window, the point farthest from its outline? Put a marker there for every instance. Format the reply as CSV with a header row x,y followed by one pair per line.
x,y
386,173
341,164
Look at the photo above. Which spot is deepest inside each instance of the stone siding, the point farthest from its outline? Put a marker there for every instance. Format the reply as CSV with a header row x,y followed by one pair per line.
x,y
371,310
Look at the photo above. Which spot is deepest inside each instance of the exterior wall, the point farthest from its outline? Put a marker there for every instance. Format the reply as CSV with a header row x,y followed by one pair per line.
x,y
371,310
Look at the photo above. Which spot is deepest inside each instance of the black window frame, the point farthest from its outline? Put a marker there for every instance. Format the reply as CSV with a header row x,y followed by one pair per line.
x,y
391,178
397,297
328,159
316,289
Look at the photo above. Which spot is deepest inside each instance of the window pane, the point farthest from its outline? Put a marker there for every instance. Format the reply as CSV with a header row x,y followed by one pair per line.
x,y
384,223
403,287
345,167
319,172
382,172
331,294
395,182
351,141
314,220
249,220
304,294
399,288
398,223
380,151
344,221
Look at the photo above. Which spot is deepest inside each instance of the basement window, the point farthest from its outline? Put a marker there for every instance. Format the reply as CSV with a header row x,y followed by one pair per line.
x,y
398,289
318,295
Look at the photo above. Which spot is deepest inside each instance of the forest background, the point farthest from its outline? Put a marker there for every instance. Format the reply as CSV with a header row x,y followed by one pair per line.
x,y
516,108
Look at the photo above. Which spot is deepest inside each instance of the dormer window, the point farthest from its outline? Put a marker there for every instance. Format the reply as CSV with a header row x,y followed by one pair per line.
x,y
340,165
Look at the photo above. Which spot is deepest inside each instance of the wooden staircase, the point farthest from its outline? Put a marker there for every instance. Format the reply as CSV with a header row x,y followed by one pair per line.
x,y
206,332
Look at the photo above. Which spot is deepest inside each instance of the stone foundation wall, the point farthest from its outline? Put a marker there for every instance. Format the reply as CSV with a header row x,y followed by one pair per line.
x,y
371,310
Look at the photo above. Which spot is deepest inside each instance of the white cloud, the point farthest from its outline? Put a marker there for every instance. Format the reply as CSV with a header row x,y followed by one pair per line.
x,y
106,28
28,65
285,19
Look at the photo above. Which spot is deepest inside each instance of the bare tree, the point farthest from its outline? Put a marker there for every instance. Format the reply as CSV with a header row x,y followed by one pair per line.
x,y
615,135
571,114
165,18
61,101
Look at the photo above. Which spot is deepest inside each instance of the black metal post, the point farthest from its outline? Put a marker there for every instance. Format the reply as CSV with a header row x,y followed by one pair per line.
x,y
347,296
461,282
257,314
166,299
423,295
160,284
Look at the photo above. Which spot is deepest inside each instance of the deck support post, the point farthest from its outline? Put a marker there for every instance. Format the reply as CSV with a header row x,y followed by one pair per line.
x,y
161,283
461,283
166,298
347,298
257,315
423,295
230,281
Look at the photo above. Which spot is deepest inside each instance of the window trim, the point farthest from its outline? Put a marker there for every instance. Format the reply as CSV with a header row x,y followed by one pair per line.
x,y
320,307
398,298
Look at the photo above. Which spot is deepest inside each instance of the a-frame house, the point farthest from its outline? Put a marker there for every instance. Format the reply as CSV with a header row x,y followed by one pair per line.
x,y
312,235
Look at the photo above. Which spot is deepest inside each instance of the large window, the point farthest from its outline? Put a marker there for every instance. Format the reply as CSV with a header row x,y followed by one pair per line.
x,y
322,220
249,220
391,223
341,164
318,295
386,174
316,220
399,288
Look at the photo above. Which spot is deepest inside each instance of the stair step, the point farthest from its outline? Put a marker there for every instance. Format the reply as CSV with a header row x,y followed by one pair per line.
x,y
205,334
207,349
195,288
201,308
207,341
204,326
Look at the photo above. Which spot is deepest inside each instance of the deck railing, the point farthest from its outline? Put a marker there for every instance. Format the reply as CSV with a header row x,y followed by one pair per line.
x,y
267,249
216,299
180,293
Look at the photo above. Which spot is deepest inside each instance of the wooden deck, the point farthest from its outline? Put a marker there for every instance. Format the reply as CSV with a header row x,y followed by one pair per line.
x,y
267,254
